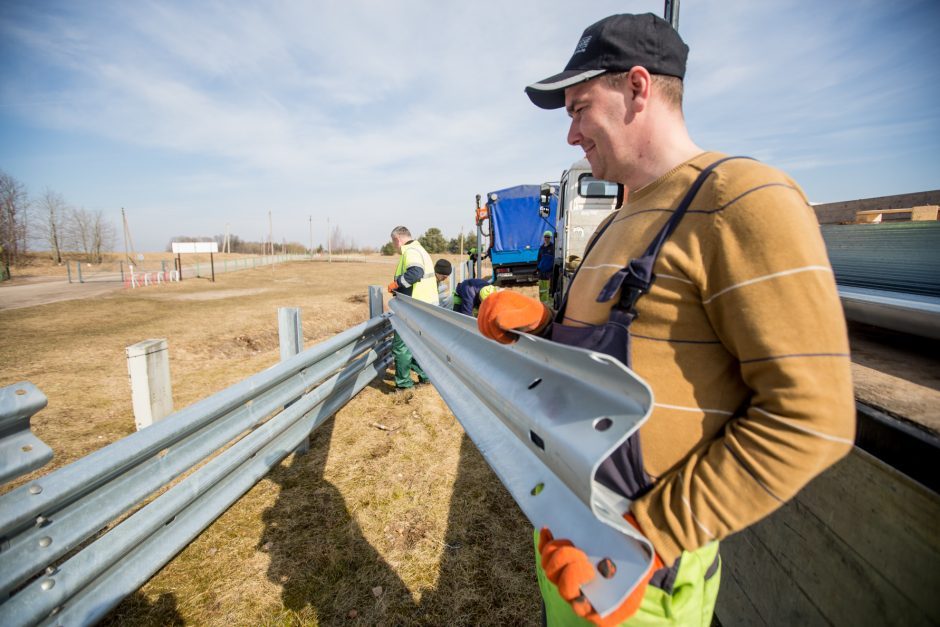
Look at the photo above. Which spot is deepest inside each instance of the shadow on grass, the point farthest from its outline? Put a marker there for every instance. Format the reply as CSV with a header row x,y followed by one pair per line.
x,y
137,609
486,573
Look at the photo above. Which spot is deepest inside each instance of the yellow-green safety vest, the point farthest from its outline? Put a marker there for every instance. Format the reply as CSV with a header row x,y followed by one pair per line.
x,y
413,254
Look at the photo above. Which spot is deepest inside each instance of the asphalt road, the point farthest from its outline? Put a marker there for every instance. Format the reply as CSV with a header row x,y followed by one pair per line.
x,y
33,291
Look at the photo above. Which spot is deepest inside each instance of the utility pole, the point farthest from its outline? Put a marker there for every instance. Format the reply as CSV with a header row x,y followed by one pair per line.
x,y
671,13
127,240
329,242
270,233
311,237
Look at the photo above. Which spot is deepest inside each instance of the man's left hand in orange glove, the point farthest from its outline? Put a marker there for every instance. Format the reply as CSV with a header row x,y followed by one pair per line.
x,y
505,314
393,287
568,568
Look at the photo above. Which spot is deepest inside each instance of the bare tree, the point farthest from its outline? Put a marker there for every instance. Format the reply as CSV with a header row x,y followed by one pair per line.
x,y
102,235
14,207
90,233
78,231
338,243
53,213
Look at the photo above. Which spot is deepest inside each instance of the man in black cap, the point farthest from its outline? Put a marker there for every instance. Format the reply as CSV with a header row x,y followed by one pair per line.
x,y
714,285
442,272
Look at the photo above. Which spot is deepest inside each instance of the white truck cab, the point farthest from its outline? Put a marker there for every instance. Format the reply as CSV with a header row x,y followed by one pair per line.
x,y
583,203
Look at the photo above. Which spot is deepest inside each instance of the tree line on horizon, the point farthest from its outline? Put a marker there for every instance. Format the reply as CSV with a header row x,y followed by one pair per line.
x,y
435,243
50,222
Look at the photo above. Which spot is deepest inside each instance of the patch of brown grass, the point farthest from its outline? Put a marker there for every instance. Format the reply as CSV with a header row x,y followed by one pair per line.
x,y
398,525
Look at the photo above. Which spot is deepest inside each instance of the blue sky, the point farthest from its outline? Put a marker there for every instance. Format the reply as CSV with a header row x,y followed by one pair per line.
x,y
192,115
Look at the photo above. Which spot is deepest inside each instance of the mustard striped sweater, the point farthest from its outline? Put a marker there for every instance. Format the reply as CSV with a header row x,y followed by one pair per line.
x,y
742,339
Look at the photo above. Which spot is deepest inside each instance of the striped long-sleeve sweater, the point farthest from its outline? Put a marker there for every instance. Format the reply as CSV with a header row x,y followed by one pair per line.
x,y
742,339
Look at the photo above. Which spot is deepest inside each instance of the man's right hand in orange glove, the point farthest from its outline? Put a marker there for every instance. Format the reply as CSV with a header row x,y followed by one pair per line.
x,y
392,287
568,568
505,314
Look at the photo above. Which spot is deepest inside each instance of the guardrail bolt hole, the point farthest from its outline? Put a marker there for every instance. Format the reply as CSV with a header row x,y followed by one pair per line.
x,y
538,489
20,392
535,383
603,424
26,448
607,568
539,442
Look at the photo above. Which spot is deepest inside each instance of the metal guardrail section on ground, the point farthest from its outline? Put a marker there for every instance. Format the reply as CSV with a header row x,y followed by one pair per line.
x,y
20,450
255,424
544,416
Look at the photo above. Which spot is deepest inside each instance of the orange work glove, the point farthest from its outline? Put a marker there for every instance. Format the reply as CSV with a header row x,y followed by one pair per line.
x,y
392,287
568,568
506,313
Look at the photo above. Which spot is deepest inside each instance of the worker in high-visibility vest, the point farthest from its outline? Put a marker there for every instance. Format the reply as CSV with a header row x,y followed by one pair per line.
x,y
713,284
414,277
544,263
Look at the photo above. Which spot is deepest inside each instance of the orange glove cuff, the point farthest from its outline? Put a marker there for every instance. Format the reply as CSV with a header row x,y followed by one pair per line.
x,y
505,314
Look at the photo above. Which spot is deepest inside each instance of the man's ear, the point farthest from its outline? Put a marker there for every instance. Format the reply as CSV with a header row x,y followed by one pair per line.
x,y
639,86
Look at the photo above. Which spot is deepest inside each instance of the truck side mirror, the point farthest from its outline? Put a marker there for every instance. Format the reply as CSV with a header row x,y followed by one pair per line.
x,y
545,198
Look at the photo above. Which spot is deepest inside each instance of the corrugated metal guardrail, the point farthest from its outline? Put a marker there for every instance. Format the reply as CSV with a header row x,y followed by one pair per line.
x,y
544,416
255,424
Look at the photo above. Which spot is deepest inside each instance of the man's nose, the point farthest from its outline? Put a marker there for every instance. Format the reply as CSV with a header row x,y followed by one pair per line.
x,y
574,133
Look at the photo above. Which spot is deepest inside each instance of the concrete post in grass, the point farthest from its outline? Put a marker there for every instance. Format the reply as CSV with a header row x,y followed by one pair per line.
x,y
148,364
290,331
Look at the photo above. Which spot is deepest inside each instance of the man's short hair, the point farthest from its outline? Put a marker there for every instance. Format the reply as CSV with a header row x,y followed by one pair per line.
x,y
401,232
669,88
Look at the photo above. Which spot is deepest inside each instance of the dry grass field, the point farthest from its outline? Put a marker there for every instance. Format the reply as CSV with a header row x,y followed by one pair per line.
x,y
371,527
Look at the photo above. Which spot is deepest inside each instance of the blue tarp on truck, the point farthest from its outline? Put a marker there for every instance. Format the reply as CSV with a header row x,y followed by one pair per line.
x,y
516,230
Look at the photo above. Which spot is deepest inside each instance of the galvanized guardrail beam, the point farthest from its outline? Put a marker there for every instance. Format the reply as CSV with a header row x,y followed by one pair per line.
x,y
20,450
255,423
544,416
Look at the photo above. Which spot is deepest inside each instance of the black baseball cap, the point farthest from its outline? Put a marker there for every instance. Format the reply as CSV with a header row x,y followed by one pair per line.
x,y
615,44
443,267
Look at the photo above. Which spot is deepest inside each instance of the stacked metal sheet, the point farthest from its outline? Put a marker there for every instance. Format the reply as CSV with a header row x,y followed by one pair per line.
x,y
888,274
898,257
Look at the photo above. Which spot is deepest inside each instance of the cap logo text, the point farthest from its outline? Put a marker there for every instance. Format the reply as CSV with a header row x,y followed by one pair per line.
x,y
583,44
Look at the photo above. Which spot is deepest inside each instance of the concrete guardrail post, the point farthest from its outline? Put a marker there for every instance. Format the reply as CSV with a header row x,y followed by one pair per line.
x,y
148,365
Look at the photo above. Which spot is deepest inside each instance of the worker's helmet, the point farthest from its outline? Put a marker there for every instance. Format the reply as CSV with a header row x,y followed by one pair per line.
x,y
486,292
547,234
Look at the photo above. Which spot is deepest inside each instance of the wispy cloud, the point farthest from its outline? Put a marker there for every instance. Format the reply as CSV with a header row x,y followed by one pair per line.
x,y
401,112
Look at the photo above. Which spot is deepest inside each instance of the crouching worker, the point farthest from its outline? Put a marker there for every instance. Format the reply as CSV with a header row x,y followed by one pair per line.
x,y
414,277
470,293
714,285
